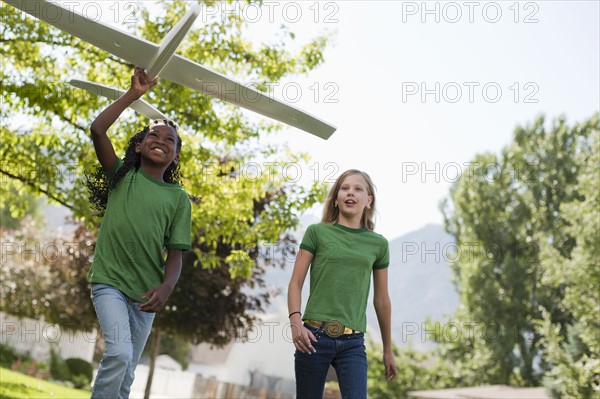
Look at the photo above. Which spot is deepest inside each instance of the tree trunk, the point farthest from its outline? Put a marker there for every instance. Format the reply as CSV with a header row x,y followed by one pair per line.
x,y
527,352
155,346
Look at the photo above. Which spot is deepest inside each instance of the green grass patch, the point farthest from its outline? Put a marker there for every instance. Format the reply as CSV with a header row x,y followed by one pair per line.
x,y
17,386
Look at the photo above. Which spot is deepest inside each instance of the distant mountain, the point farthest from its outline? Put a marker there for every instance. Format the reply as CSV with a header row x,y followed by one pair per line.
x,y
420,285
278,278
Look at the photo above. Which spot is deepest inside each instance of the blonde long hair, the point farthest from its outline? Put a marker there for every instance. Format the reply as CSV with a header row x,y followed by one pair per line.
x,y
331,213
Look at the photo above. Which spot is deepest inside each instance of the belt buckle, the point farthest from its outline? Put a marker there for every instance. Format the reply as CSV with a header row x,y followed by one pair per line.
x,y
333,328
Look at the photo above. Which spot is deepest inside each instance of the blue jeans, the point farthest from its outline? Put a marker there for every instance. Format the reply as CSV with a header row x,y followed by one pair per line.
x,y
346,353
125,329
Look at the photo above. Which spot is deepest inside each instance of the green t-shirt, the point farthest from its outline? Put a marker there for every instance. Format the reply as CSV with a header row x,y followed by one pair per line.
x,y
143,217
340,272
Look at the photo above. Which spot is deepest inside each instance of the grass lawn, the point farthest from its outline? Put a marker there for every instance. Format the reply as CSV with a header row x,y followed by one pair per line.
x,y
16,386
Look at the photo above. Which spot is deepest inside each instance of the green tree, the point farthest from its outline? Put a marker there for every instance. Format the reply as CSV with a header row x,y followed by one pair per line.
x,y
21,277
502,212
43,274
209,305
10,218
416,371
245,197
574,349
46,147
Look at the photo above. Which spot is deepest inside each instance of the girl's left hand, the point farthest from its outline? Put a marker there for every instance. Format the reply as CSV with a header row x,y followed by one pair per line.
x,y
390,365
158,297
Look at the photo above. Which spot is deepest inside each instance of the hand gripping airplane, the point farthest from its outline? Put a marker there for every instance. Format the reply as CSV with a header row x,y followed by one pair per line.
x,y
160,60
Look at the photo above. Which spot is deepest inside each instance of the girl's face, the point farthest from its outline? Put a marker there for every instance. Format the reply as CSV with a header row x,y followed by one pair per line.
x,y
159,146
353,196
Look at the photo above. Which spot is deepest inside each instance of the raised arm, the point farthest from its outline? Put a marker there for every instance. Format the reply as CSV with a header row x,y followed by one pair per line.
x,y
140,84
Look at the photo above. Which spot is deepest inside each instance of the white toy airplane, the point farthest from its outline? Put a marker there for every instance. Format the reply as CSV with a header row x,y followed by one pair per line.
x,y
112,93
160,60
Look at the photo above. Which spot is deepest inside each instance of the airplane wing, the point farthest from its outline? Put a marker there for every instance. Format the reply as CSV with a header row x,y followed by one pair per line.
x,y
190,74
113,93
169,44
180,70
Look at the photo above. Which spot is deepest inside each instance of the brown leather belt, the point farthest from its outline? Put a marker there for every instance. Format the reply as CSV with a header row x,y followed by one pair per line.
x,y
333,328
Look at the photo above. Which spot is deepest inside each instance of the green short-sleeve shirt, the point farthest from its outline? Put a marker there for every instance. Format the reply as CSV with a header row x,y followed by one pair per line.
x,y
143,217
340,272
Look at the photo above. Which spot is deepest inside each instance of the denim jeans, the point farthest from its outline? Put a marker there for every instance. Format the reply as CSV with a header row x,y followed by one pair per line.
x,y
125,329
346,353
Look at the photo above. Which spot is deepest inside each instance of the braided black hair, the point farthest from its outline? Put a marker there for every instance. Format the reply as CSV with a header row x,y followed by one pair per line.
x,y
99,185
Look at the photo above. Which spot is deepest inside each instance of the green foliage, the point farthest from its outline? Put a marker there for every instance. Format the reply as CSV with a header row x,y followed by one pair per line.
x,y
575,371
81,372
7,355
43,275
416,371
58,367
526,224
80,381
463,349
74,371
31,367
209,305
10,215
46,151
22,362
574,348
19,386
46,147
21,281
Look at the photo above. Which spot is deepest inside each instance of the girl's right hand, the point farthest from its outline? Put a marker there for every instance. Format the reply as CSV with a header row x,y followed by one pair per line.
x,y
303,337
140,82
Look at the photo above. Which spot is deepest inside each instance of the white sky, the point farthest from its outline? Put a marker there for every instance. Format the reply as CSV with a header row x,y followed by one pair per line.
x,y
386,50
543,56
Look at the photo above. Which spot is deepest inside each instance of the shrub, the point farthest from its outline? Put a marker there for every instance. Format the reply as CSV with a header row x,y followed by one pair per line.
x,y
81,372
58,367
80,381
31,367
7,356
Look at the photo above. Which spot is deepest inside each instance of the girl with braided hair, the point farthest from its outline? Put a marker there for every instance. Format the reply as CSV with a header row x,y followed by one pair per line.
x,y
99,185
146,212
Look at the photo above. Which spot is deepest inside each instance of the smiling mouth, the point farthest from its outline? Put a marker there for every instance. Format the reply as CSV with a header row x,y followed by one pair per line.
x,y
159,150
350,202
